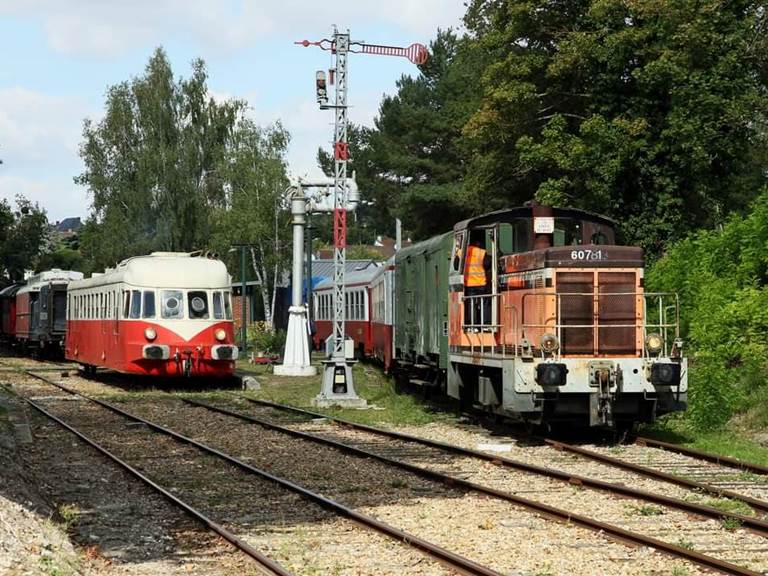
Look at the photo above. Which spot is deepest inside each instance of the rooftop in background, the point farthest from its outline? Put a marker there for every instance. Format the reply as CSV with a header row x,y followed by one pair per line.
x,y
69,225
324,267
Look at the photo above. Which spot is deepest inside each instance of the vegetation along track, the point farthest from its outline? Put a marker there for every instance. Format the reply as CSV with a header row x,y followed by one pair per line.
x,y
660,525
160,453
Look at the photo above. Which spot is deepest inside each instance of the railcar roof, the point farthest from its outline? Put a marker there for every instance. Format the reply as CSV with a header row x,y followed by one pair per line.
x,y
163,270
351,278
54,275
423,246
526,212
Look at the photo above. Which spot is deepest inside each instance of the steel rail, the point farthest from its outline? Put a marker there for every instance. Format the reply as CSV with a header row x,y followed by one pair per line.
x,y
755,503
700,455
455,561
756,524
539,507
241,545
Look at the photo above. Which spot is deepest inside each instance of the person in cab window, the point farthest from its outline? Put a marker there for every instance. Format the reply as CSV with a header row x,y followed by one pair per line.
x,y
477,265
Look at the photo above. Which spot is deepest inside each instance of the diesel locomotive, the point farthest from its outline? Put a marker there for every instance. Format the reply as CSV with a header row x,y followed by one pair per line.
x,y
534,313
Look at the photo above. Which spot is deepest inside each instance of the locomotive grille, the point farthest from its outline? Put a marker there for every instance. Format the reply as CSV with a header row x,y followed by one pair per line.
x,y
616,313
577,308
603,309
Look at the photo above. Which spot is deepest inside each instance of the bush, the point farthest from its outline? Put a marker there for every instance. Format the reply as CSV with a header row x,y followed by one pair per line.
x,y
262,338
722,278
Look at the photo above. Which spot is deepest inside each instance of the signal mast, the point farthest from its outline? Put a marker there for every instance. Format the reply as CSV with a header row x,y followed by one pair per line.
x,y
338,386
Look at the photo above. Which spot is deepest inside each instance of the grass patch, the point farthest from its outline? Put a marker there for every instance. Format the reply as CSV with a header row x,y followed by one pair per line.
x,y
733,441
683,543
68,513
731,524
730,506
370,383
646,510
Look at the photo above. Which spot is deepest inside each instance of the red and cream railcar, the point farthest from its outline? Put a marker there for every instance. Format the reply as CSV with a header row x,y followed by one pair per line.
x,y
382,288
357,311
165,314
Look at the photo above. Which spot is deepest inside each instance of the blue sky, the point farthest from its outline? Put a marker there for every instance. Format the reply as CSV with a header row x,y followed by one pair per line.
x,y
59,57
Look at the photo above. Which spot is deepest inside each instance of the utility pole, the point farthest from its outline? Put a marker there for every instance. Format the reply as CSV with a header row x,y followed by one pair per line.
x,y
338,386
243,308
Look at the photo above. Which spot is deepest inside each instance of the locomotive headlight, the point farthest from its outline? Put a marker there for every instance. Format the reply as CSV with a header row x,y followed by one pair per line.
x,y
549,343
150,334
654,343
220,335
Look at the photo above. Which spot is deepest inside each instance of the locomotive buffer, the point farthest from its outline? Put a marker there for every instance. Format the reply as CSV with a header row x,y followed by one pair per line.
x,y
338,387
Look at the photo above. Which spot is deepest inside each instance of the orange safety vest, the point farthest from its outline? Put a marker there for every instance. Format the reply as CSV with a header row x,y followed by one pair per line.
x,y
474,271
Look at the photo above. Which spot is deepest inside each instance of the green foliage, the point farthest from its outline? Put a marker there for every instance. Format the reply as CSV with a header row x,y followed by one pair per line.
x,y
23,237
153,164
722,277
262,338
649,111
63,258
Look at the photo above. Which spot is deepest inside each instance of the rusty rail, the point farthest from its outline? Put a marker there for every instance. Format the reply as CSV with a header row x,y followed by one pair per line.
x,y
758,525
538,507
241,545
455,561
707,456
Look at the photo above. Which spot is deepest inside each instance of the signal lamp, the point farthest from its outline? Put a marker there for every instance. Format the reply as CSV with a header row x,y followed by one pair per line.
x,y
654,343
150,334
665,374
220,335
551,374
549,343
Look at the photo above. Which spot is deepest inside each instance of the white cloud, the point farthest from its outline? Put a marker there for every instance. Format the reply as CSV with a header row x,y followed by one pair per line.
x,y
39,137
103,29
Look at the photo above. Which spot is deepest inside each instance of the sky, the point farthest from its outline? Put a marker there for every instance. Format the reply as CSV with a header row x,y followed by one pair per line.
x,y
60,56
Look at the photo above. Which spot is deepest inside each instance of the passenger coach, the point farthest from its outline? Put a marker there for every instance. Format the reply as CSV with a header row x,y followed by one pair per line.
x,y
165,314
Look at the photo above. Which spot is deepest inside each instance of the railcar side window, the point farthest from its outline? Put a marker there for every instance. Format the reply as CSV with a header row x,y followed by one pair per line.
x,y
218,308
227,306
172,306
198,304
135,303
126,303
149,304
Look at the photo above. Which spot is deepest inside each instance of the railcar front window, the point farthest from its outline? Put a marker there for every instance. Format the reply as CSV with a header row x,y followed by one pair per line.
x,y
135,304
198,304
149,304
172,306
218,308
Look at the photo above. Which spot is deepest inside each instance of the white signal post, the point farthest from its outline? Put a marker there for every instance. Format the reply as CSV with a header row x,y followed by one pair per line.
x,y
338,387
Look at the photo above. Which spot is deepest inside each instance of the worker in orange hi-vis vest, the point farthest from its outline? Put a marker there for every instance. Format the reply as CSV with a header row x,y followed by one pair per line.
x,y
477,311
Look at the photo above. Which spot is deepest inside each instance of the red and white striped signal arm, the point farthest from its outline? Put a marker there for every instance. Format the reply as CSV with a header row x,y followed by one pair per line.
x,y
416,53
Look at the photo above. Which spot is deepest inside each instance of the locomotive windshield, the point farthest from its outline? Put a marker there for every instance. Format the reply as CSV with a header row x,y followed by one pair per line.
x,y
173,304
198,304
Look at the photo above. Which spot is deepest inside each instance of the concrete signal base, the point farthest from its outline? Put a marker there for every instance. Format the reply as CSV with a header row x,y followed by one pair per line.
x,y
338,387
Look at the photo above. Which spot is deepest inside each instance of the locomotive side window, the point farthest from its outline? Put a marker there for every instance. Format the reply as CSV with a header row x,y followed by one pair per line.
x,y
218,309
457,251
198,304
227,305
567,232
136,304
172,306
149,304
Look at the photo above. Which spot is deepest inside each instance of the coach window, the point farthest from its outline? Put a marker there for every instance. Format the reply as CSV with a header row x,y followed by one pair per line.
x,y
149,304
198,304
136,304
227,306
172,304
218,308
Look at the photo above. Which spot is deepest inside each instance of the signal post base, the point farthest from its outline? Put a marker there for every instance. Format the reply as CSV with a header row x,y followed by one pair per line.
x,y
338,387
297,361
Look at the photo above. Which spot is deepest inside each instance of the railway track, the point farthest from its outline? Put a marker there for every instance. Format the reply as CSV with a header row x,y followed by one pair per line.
x,y
351,438
183,449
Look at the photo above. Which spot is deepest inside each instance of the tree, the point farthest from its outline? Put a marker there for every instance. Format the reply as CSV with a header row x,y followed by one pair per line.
x,y
650,111
23,237
153,164
255,210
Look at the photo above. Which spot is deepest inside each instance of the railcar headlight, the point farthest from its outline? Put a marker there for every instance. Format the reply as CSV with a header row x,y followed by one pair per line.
x,y
220,335
550,343
654,343
150,334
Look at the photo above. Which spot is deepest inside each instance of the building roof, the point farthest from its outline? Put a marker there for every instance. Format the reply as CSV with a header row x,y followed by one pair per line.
x,y
69,224
323,268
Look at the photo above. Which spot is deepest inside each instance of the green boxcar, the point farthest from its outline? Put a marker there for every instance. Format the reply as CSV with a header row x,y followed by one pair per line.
x,y
421,307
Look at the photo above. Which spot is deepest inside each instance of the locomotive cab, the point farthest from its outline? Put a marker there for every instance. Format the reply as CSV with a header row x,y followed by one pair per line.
x,y
549,321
